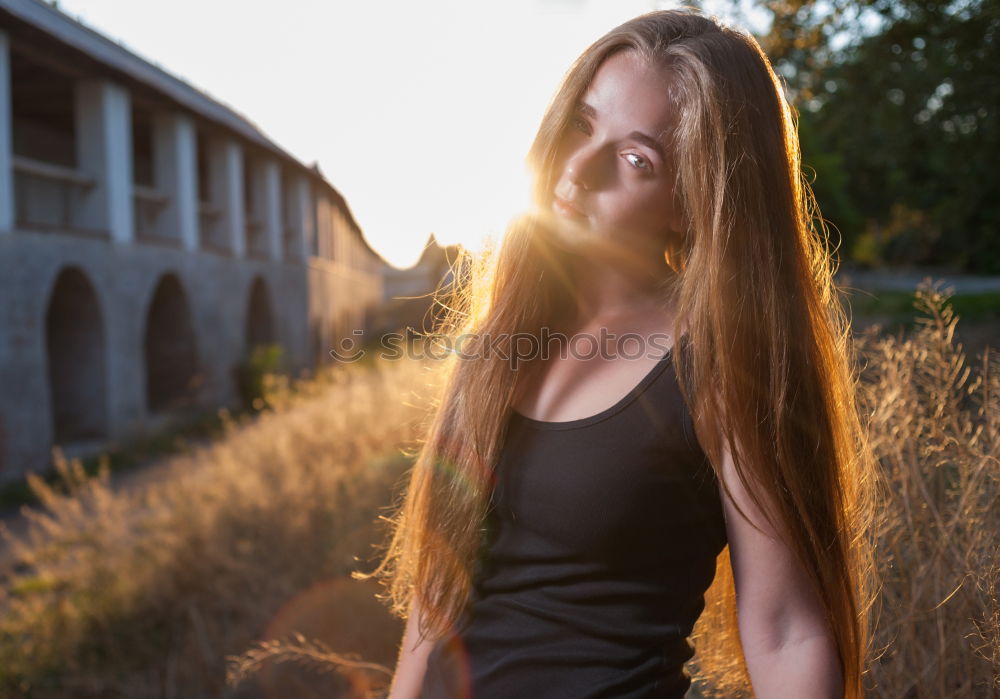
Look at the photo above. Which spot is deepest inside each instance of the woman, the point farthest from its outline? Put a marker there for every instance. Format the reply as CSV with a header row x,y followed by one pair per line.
x,y
563,518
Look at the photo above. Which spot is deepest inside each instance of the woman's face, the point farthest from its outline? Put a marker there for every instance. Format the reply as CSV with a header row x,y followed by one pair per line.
x,y
614,170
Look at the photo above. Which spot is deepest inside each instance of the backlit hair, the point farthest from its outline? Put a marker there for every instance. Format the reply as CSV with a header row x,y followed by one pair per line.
x,y
770,360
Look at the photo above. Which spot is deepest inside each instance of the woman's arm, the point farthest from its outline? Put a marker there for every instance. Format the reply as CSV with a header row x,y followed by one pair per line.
x,y
412,663
787,644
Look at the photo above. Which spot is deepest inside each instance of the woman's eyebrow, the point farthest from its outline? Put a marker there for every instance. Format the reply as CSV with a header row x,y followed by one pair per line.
x,y
644,139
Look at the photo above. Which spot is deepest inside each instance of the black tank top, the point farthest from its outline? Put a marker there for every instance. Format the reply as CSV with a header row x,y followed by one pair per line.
x,y
601,541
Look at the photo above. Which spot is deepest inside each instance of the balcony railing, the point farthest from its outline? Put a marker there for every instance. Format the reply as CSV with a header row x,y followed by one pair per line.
x,y
210,229
149,204
256,239
48,197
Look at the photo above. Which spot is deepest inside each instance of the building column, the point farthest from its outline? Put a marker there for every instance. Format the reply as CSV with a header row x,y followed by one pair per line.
x,y
233,217
176,175
104,152
304,203
324,227
273,215
6,150
339,233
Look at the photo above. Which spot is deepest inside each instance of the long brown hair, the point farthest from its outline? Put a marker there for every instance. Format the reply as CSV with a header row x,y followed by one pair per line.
x,y
753,290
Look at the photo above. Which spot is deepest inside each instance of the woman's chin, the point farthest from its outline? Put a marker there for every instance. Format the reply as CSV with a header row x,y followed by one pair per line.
x,y
602,247
571,233
584,240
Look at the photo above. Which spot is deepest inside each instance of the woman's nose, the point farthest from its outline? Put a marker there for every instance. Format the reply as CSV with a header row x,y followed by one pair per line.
x,y
582,167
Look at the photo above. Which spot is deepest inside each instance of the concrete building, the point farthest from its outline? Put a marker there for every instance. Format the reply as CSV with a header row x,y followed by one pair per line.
x,y
149,238
408,293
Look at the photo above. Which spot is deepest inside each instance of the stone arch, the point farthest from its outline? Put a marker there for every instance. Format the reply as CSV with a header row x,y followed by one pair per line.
x,y
260,319
76,359
170,349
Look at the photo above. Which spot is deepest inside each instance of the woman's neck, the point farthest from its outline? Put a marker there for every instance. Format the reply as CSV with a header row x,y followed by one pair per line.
x,y
610,292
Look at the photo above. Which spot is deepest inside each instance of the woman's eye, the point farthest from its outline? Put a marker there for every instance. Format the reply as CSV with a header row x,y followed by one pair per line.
x,y
579,124
639,163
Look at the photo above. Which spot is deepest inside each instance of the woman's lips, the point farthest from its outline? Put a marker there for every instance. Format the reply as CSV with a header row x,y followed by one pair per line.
x,y
565,208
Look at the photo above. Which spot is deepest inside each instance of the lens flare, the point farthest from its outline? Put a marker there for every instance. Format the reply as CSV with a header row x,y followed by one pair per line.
x,y
341,615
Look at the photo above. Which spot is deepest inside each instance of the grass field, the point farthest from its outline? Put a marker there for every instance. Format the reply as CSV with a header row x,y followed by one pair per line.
x,y
233,578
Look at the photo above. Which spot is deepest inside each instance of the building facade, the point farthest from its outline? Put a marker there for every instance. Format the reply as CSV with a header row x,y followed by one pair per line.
x,y
409,294
150,237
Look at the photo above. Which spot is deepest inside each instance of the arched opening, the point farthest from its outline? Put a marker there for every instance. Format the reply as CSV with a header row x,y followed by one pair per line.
x,y
260,322
171,354
77,371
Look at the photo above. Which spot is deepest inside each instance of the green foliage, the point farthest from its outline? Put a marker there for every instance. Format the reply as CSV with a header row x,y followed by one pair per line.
x,y
898,118
252,374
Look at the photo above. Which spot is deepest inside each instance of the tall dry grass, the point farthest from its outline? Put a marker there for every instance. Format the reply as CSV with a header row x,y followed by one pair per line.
x,y
935,426
247,551
145,595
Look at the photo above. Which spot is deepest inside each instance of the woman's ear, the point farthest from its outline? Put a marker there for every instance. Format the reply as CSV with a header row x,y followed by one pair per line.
x,y
675,253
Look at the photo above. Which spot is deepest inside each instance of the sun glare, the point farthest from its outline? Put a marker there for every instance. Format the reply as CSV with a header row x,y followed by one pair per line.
x,y
421,115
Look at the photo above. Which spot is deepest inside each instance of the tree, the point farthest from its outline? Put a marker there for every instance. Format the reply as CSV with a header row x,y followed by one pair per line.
x,y
898,118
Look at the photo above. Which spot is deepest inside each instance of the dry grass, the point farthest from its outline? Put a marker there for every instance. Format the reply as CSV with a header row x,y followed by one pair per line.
x,y
255,539
246,555
935,426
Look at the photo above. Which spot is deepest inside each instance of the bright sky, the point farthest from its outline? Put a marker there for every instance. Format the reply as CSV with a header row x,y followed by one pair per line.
x,y
420,113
